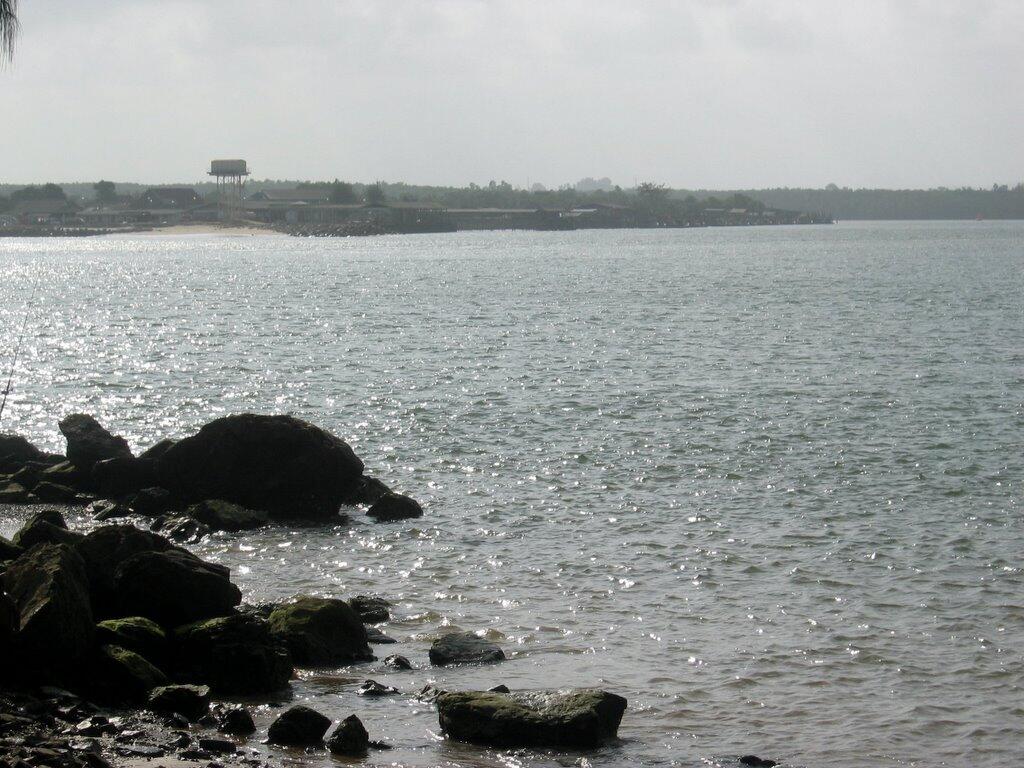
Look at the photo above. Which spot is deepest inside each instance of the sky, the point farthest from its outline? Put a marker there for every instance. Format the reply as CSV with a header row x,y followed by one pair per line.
x,y
712,94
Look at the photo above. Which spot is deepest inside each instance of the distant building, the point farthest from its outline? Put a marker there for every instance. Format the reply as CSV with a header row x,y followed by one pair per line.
x,y
310,195
173,198
46,211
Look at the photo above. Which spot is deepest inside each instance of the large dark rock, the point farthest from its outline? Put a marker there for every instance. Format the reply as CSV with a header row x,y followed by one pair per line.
x,y
89,442
174,587
581,718
236,721
135,633
16,452
366,491
64,474
220,515
49,587
122,676
280,464
349,738
233,655
192,701
104,550
13,493
299,726
394,506
157,450
52,493
150,502
320,631
371,610
9,550
25,538
123,474
464,648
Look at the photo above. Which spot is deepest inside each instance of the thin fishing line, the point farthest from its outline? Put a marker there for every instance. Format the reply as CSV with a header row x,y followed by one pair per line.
x,y
17,349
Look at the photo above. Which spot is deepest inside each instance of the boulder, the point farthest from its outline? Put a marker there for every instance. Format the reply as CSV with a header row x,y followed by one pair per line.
x,y
135,633
236,722
123,676
366,491
49,587
123,475
106,509
46,527
371,610
192,701
150,502
397,661
579,718
64,474
51,516
16,452
320,631
298,726
464,648
174,587
280,464
9,550
103,551
89,442
373,688
394,506
13,493
375,637
234,655
349,738
53,493
221,515
157,450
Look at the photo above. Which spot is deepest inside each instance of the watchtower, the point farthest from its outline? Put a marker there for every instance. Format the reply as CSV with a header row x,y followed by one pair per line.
x,y
230,176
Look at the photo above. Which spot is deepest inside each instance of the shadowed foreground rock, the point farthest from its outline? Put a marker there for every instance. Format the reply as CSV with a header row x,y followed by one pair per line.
x,y
89,442
581,718
464,648
349,738
320,631
280,464
299,726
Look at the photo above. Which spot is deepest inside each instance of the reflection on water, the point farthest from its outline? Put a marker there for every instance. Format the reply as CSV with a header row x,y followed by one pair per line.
x,y
763,483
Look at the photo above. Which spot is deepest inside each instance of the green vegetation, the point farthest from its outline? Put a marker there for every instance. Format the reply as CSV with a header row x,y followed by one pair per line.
x,y
106,192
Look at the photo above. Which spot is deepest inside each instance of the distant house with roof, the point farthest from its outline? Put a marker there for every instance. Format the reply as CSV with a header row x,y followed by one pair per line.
x,y
45,211
173,198
310,195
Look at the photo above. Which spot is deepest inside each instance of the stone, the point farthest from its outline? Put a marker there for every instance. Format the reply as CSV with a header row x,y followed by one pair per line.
x,y
42,532
367,490
123,676
25,537
123,475
373,688
174,587
394,506
430,694
107,509
218,746
89,442
150,502
234,655
184,530
499,689
192,701
349,738
464,648
298,726
236,722
52,493
64,473
16,452
371,610
135,633
13,493
320,631
221,515
757,762
578,719
280,464
157,450
397,661
376,637
104,550
49,587
9,550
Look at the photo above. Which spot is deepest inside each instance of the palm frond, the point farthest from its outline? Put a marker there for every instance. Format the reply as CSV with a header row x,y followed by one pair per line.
x,y
8,27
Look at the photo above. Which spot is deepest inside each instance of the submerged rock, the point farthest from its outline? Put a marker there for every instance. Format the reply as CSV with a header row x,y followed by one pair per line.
x,y
395,506
221,515
233,655
349,738
375,637
299,726
184,530
174,587
581,718
373,688
89,442
757,762
280,464
464,648
320,631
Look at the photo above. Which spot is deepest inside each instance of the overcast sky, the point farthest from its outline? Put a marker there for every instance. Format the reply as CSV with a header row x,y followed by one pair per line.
x,y
693,93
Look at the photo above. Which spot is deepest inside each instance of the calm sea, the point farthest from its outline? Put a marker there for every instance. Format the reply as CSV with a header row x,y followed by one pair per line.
x,y
765,483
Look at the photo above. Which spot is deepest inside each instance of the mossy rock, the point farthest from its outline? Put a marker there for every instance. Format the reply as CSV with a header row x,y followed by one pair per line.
x,y
135,633
123,676
320,631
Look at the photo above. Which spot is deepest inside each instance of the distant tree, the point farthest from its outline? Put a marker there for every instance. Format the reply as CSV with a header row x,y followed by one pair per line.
x,y
106,191
341,192
38,192
5,203
374,194
8,27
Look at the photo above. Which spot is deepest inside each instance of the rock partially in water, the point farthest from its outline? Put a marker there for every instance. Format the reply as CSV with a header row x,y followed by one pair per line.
x,y
371,609
89,442
280,464
395,506
464,648
219,515
184,530
174,587
135,633
367,490
108,509
376,637
397,661
236,722
55,630
45,527
233,655
52,493
373,688
580,718
192,701
349,738
757,762
299,726
320,631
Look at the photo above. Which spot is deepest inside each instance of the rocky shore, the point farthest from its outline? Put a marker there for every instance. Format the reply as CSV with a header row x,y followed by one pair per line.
x,y
120,644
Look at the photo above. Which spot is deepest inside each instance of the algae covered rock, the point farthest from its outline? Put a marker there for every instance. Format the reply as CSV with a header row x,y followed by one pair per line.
x,y
174,587
320,631
298,726
135,633
280,464
123,676
464,648
233,654
579,718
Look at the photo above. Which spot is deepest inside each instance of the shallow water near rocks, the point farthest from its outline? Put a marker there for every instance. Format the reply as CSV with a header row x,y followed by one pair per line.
x,y
764,483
